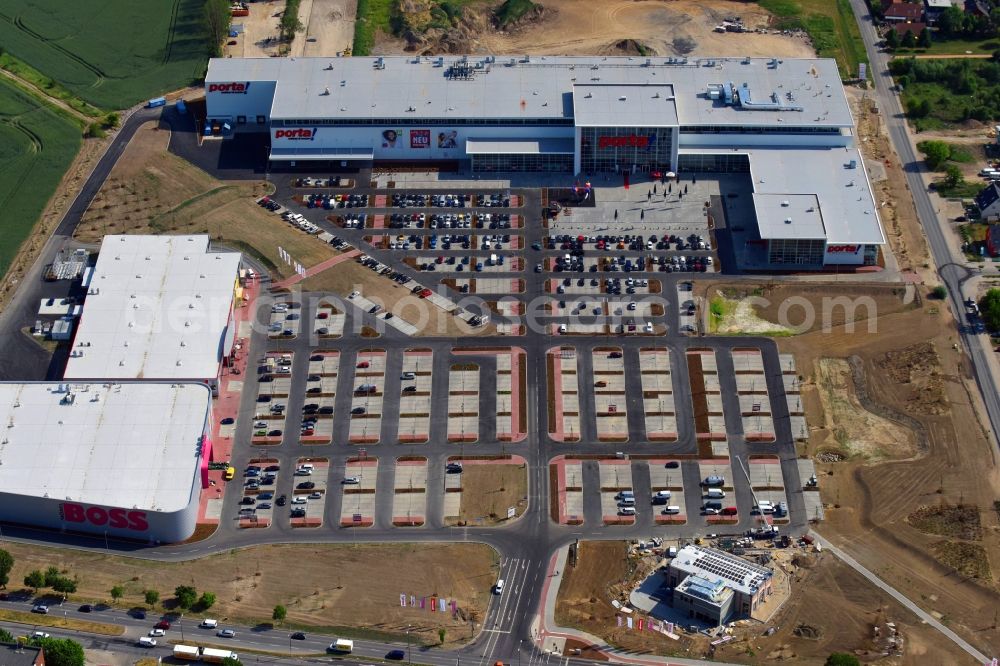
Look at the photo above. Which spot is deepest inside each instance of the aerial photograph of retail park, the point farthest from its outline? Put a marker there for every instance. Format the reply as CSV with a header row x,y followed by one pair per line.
x,y
535,332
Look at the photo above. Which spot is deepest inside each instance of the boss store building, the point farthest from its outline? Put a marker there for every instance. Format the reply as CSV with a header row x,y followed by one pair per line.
x,y
579,115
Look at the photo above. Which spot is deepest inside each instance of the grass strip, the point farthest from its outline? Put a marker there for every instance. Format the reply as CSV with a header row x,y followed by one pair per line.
x,y
38,620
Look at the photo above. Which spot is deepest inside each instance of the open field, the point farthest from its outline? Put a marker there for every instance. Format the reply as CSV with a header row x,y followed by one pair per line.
x,y
152,191
335,588
488,490
598,27
894,375
831,26
37,145
113,54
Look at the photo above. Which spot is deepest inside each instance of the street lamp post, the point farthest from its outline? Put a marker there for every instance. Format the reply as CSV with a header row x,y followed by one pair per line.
x,y
408,660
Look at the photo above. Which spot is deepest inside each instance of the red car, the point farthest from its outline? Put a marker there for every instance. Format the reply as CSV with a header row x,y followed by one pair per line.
x,y
162,624
729,511
424,293
363,364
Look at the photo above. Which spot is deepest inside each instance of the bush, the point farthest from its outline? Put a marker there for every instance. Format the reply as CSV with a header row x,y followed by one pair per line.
x,y
186,596
842,659
936,153
206,601
152,597
940,292
279,613
989,308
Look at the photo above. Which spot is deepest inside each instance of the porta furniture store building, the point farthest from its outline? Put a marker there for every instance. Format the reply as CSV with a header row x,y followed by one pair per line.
x,y
785,122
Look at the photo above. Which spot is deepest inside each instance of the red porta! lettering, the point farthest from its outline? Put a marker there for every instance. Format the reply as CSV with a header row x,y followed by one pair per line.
x,y
298,133
837,249
632,141
228,87
117,518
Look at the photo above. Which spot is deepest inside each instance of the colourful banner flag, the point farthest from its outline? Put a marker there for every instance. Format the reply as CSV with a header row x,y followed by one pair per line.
x,y
454,608
628,621
619,618
640,623
402,600
423,602
413,600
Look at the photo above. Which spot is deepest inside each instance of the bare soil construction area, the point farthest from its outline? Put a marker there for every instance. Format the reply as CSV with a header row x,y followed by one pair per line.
x,y
886,506
332,587
151,191
831,608
616,27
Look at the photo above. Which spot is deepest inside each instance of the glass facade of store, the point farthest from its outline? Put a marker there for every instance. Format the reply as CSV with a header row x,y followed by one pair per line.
x,y
522,162
715,163
616,149
795,251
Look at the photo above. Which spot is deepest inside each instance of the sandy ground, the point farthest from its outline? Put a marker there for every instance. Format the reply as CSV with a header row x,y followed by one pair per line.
x,y
361,590
151,191
260,36
867,504
488,490
680,27
329,28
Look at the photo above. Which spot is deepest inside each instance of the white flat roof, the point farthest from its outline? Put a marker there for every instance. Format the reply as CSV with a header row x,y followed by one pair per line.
x,y
157,308
788,92
132,445
738,574
552,146
789,216
624,105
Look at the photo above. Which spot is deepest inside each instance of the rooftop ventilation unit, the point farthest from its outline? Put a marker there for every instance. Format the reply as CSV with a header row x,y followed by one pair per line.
x,y
788,220
379,63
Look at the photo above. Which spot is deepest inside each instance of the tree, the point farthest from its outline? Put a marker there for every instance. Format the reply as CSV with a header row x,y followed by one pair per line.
x,y
918,108
953,176
229,661
152,597
279,613
940,292
6,564
908,41
842,659
892,39
217,19
64,585
117,592
35,580
936,153
951,21
441,634
51,576
989,308
206,601
924,41
62,652
185,595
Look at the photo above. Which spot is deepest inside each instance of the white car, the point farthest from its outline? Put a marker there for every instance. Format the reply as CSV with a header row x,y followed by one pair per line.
x,y
303,471
39,634
157,632
351,480
299,500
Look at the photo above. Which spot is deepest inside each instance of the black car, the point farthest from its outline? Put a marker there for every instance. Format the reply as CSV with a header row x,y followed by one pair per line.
x,y
395,655
298,636
281,500
314,389
138,613
673,464
227,421
298,513
86,608
306,485
248,501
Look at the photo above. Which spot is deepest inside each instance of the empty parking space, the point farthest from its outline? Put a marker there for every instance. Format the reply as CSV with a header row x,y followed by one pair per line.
x,y
754,401
609,394
309,481
366,400
463,402
793,398
511,415
658,394
563,394
409,500
617,497
358,488
706,398
666,488
567,501
415,396
328,321
486,285
768,485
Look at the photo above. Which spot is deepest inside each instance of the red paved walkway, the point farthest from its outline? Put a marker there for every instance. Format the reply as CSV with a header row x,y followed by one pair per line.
x,y
318,268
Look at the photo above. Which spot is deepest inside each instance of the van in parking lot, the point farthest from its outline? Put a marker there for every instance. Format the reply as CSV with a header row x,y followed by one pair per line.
x,y
715,493
147,642
714,480
626,510
672,509
625,494
626,501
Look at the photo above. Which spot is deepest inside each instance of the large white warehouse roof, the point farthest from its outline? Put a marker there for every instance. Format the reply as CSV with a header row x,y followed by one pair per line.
x,y
774,92
133,445
157,308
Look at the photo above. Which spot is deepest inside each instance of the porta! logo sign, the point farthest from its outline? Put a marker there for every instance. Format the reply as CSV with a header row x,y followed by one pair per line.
x,y
631,141
298,134
121,519
843,249
229,88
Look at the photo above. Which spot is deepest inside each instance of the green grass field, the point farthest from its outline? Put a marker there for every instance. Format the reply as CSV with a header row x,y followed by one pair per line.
x,y
831,25
111,54
37,145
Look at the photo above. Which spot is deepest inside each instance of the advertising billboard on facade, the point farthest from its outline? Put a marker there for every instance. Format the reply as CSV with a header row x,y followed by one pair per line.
x,y
420,138
392,138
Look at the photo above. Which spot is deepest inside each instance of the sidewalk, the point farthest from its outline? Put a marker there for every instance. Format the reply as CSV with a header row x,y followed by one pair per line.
x,y
318,268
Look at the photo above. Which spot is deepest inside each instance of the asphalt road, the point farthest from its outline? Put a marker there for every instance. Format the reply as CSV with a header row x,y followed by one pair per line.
x,y
952,272
526,544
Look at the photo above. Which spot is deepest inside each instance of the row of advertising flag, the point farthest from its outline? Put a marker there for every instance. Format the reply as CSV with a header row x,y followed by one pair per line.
x,y
644,624
287,258
430,604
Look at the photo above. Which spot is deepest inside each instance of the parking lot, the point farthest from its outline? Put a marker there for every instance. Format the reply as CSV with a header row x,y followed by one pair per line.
x,y
409,500
306,504
608,371
358,488
366,401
